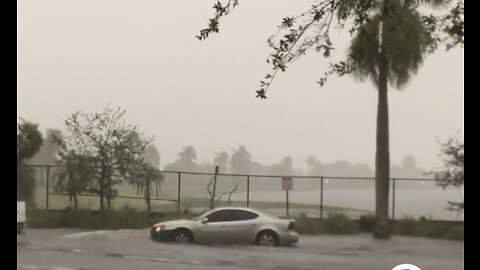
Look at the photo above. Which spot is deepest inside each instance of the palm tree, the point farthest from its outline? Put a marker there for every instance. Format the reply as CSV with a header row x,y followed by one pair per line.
x,y
389,48
187,157
221,159
148,179
72,178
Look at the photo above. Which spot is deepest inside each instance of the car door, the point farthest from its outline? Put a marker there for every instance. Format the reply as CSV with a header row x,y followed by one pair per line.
x,y
215,230
243,226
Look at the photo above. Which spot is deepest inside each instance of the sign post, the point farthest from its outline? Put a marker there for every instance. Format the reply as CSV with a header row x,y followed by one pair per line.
x,y
212,202
287,184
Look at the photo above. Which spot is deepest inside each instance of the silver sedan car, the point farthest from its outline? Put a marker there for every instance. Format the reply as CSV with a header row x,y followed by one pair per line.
x,y
229,225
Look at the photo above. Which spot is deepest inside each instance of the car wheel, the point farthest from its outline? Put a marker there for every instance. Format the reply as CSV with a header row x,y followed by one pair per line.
x,y
182,237
267,238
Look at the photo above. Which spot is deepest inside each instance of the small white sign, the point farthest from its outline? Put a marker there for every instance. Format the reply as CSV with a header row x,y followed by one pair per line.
x,y
287,183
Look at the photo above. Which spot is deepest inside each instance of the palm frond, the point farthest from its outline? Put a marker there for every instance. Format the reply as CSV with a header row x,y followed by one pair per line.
x,y
364,50
406,40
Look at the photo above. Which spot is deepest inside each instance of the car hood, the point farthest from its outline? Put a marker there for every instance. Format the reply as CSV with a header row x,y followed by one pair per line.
x,y
172,224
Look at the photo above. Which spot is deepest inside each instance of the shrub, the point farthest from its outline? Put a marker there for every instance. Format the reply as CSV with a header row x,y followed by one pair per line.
x,y
429,228
338,223
85,219
457,233
366,223
406,226
306,226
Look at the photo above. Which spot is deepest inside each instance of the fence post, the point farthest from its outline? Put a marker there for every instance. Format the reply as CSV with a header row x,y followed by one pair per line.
x,y
393,199
248,190
178,191
48,185
321,197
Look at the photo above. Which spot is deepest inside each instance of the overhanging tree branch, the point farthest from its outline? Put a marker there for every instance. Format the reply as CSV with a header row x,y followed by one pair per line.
x,y
293,39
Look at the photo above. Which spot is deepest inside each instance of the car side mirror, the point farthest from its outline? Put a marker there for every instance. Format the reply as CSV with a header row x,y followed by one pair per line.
x,y
204,220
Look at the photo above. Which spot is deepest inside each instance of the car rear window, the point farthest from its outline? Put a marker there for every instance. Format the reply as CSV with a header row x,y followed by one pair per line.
x,y
244,215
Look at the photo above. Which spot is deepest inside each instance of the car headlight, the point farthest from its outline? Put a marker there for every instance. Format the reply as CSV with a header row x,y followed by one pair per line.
x,y
159,228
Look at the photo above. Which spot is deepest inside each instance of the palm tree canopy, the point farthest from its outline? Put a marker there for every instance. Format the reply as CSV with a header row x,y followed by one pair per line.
x,y
397,28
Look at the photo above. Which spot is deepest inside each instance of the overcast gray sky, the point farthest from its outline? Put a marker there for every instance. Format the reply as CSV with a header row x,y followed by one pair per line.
x,y
143,56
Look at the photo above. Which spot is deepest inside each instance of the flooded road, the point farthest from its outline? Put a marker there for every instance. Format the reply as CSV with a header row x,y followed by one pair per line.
x,y
68,249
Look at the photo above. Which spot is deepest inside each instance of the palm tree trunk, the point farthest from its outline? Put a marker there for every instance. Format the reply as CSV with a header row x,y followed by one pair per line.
x,y
102,189
70,185
75,201
109,192
75,191
382,157
147,196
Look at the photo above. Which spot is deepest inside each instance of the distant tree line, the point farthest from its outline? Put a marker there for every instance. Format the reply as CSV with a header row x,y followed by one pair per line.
x,y
240,161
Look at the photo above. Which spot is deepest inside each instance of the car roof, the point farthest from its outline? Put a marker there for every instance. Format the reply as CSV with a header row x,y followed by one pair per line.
x,y
234,208
263,213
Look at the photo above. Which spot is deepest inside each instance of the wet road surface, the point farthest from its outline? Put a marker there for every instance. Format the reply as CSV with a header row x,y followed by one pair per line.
x,y
69,249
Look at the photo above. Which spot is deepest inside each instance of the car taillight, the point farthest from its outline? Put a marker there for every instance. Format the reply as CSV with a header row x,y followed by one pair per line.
x,y
291,226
